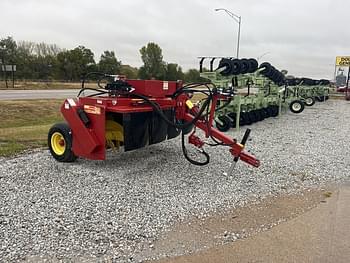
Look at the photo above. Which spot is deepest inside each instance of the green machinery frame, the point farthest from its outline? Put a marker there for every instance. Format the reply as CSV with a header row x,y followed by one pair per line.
x,y
269,101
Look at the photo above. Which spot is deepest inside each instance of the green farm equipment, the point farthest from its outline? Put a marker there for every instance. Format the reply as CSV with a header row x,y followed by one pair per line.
x,y
310,90
243,75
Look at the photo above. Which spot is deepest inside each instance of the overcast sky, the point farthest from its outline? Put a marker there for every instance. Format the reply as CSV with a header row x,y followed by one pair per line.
x,y
302,36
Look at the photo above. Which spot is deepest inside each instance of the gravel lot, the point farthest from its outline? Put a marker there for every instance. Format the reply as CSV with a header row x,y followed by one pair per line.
x,y
117,208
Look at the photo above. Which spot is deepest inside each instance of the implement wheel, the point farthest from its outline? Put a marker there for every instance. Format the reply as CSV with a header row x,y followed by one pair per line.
x,y
296,106
310,101
60,143
226,124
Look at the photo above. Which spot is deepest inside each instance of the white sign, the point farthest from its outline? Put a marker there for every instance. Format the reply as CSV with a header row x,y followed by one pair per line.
x,y
9,68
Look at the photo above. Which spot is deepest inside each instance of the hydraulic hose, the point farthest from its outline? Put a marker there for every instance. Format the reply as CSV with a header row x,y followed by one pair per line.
x,y
184,151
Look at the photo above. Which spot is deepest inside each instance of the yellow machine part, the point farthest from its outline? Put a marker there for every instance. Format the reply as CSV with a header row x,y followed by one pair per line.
x,y
58,143
114,134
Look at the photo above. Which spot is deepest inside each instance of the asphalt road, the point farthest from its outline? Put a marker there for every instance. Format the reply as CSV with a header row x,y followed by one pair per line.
x,y
37,94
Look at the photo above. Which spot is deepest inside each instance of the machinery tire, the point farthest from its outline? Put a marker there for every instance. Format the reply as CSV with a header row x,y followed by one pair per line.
x,y
226,124
252,116
246,118
309,101
245,67
274,109
271,73
235,66
259,115
266,112
263,114
60,143
253,65
226,64
266,68
320,98
232,115
324,82
296,106
326,97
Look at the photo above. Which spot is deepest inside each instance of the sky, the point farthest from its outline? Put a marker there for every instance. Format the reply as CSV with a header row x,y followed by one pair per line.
x,y
301,36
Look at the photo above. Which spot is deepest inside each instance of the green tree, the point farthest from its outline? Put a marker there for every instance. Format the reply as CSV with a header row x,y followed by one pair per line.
x,y
36,60
193,75
154,66
109,63
128,71
173,72
8,48
73,64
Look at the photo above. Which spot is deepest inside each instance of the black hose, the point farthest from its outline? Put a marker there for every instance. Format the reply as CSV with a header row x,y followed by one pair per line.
x,y
100,91
184,151
165,118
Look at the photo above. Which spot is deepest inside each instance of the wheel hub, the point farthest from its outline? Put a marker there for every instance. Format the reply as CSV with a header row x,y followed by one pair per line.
x,y
58,143
296,106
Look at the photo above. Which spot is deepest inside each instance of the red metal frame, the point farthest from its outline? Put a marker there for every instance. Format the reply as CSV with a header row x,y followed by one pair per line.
x,y
89,141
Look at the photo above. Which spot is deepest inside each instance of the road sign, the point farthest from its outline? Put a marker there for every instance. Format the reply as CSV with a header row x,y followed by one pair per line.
x,y
342,61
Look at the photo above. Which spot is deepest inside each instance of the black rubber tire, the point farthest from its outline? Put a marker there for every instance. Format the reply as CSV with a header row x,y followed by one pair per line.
x,y
274,76
296,106
324,82
225,63
245,118
266,112
263,114
235,66
270,111
320,98
232,115
274,109
245,67
68,155
252,116
226,124
253,65
326,97
309,101
266,68
272,73
255,115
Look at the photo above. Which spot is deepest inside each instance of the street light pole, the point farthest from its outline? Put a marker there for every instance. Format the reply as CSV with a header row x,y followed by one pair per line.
x,y
238,19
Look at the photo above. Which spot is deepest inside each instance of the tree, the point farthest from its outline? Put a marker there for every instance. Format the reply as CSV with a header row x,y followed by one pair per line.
x,y
173,72
154,66
109,63
128,71
8,48
73,64
193,75
36,60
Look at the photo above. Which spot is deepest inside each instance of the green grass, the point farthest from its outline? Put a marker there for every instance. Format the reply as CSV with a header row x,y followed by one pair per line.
x,y
24,124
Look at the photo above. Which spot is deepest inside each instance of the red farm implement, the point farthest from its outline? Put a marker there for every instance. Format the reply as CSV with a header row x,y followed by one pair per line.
x,y
135,113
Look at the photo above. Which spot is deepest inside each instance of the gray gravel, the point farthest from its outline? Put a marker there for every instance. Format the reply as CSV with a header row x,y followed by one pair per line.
x,y
115,209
